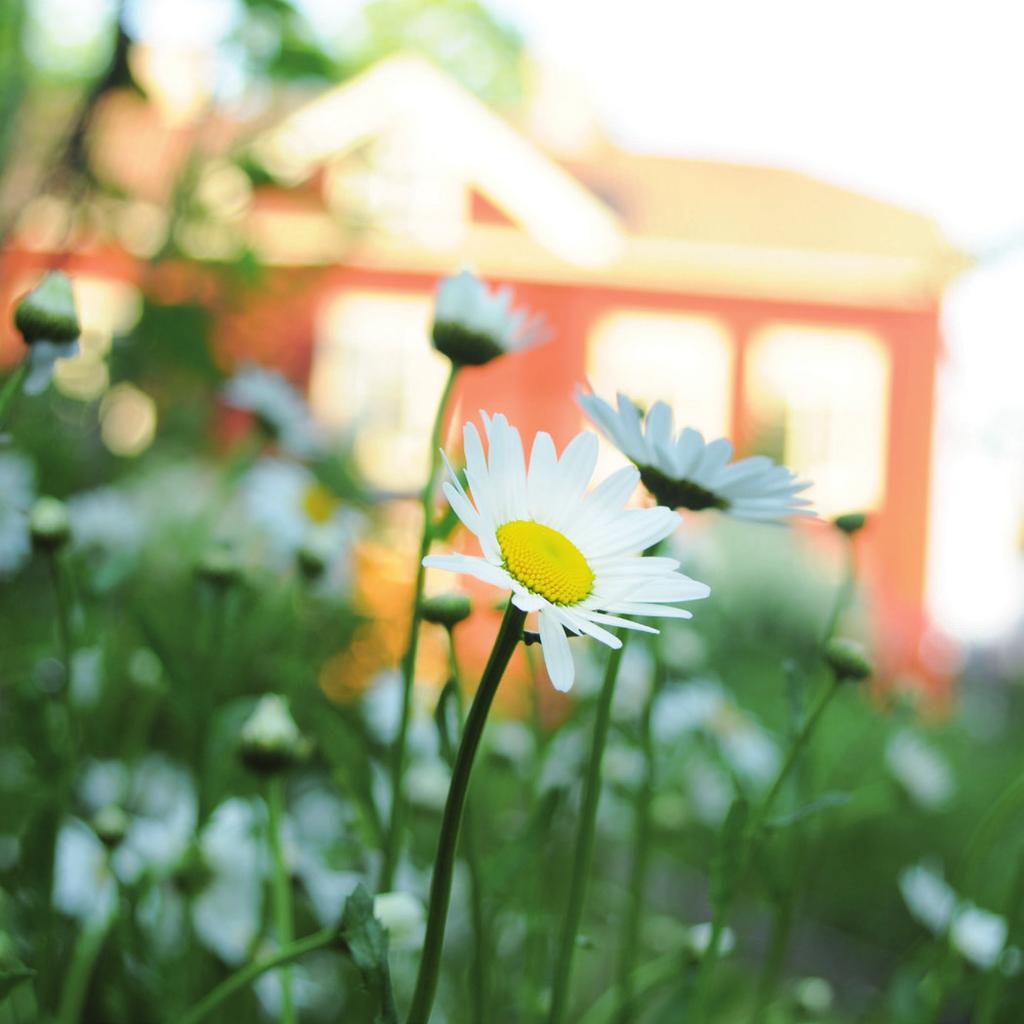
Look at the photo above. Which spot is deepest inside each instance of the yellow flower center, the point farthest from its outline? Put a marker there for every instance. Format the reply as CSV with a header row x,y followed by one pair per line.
x,y
545,562
319,504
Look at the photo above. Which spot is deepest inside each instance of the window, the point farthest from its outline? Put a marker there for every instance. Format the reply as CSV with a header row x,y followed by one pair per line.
x,y
819,400
684,360
376,376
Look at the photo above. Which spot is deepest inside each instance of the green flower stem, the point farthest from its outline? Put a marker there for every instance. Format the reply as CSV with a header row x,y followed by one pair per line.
x,y
783,914
392,842
641,847
481,945
83,959
282,889
645,979
248,974
584,841
709,961
509,635
11,388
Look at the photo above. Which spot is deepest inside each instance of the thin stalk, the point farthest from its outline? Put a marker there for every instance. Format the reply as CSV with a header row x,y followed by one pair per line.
x,y
282,889
644,980
481,946
250,972
392,842
641,847
83,960
709,961
783,916
584,841
509,635
11,388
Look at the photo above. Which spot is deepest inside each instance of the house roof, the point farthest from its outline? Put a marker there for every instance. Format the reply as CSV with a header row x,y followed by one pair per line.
x,y
607,217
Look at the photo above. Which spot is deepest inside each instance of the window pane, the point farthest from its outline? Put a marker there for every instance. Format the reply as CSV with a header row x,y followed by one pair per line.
x,y
375,374
683,360
819,400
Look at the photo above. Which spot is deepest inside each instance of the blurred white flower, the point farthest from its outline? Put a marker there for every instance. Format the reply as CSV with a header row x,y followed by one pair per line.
x,y
84,883
227,912
511,740
700,936
473,325
106,519
17,493
710,790
427,782
928,896
381,708
623,766
160,801
280,409
286,503
923,772
978,935
686,472
403,916
702,706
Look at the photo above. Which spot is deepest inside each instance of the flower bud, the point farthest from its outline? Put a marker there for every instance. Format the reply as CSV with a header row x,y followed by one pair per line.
x,y
699,939
448,609
850,522
813,996
49,524
473,325
47,313
219,566
402,916
311,560
110,823
848,660
271,741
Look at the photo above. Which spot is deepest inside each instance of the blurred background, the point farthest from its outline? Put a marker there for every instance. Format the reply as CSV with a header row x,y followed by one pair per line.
x,y
799,224
802,230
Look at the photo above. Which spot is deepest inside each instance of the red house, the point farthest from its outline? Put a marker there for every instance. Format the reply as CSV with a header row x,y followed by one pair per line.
x,y
796,317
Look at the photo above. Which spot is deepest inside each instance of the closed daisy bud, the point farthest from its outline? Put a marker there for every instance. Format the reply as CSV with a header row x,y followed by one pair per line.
x,y
848,660
447,610
813,995
48,323
110,823
699,939
473,325
850,522
219,566
49,524
271,741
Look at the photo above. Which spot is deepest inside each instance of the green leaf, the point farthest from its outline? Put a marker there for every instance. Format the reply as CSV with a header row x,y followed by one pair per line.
x,y
729,860
366,943
12,974
822,803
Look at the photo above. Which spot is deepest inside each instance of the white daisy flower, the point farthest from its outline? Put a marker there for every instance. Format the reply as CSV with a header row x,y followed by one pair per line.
x,y
17,494
473,325
569,556
278,407
286,503
687,472
922,772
